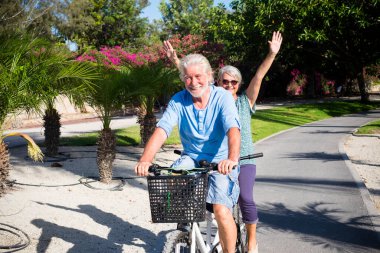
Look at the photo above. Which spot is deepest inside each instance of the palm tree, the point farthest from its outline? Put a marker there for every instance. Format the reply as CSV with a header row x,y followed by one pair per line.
x,y
16,77
107,98
147,83
60,75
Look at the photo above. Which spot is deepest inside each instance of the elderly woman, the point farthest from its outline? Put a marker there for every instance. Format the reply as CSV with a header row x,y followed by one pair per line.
x,y
209,129
230,79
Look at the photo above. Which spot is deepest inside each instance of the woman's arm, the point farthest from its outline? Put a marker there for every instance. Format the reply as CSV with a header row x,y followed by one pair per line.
x,y
255,84
171,54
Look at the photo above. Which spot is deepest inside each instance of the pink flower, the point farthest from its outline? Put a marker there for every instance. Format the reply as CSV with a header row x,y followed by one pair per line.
x,y
295,72
114,60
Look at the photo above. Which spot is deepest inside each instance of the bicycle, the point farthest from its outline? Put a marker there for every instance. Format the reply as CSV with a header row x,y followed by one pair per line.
x,y
179,196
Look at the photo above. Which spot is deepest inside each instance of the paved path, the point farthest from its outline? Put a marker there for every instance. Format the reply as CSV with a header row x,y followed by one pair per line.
x,y
308,199
37,133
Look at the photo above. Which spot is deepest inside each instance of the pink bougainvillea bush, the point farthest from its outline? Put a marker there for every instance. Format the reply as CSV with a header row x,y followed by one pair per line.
x,y
297,84
190,44
116,57
325,87
328,87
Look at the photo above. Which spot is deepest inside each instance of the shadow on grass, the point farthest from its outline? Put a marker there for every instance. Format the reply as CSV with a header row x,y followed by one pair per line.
x,y
305,113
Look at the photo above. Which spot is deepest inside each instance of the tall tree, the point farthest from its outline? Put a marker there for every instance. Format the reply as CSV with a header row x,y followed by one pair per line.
x,y
331,36
185,16
34,16
102,22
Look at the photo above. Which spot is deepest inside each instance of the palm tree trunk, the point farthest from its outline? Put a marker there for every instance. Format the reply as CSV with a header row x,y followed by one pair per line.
x,y
149,125
52,127
106,154
4,166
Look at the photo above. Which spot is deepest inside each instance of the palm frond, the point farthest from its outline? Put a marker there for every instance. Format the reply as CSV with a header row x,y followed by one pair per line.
x,y
152,80
34,150
108,95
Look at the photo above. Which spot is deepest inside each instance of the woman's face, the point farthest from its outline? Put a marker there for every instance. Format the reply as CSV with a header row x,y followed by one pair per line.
x,y
229,83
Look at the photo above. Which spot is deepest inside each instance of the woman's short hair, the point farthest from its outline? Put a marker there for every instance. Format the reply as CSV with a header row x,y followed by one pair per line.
x,y
194,59
230,70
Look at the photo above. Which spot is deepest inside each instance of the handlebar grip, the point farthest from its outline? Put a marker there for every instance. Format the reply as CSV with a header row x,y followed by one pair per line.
x,y
177,152
215,167
153,168
252,156
210,166
207,165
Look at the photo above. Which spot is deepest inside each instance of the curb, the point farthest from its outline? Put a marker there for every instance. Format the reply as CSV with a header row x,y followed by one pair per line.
x,y
369,204
354,133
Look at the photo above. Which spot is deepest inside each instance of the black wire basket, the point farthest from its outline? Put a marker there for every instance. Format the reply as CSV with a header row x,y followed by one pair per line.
x,y
178,199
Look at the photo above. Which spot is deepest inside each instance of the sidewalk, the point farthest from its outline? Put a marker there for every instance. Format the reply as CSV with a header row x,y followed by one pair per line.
x,y
71,128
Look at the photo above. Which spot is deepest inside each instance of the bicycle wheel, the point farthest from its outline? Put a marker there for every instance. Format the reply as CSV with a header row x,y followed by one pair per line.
x,y
241,241
177,242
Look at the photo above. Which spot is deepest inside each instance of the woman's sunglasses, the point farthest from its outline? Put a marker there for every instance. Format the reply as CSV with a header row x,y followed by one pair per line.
x,y
227,82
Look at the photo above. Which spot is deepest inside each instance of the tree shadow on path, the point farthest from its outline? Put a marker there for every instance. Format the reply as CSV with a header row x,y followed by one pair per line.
x,y
320,226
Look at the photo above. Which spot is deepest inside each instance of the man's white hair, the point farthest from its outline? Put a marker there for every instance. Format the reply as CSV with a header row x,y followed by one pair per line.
x,y
194,59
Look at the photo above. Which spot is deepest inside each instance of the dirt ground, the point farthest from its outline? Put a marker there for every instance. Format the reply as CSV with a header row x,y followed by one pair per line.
x,y
364,153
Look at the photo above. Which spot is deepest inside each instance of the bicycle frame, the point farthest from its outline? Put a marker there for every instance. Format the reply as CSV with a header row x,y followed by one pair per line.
x,y
197,240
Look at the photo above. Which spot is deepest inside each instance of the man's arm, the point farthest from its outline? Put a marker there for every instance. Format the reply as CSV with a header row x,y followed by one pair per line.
x,y
234,144
154,144
226,166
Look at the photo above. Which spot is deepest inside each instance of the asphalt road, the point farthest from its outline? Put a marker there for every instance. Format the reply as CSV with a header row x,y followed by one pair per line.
x,y
37,133
308,200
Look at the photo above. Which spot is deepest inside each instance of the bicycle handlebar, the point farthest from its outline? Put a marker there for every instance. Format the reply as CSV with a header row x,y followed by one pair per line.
x,y
205,165
214,166
251,156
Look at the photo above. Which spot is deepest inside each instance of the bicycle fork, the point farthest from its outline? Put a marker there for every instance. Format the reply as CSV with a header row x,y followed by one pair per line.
x,y
199,242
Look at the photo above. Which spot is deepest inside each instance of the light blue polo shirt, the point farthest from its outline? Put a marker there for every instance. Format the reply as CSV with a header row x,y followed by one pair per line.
x,y
203,132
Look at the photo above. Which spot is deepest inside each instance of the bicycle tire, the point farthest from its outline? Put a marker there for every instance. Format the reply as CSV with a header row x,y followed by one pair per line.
x,y
242,239
175,238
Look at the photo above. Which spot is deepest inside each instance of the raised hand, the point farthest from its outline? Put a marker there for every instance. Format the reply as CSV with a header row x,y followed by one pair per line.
x,y
170,52
275,43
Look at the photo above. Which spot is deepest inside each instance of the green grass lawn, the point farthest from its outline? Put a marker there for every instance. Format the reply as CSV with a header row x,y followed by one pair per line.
x,y
264,122
370,128
125,137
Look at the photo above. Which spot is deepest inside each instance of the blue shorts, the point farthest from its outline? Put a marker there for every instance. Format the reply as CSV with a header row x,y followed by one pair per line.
x,y
222,189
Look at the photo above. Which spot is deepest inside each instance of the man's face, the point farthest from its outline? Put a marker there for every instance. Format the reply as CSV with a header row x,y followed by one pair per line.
x,y
196,80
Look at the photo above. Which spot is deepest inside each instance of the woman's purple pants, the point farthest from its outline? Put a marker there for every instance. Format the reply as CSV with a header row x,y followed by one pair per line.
x,y
247,204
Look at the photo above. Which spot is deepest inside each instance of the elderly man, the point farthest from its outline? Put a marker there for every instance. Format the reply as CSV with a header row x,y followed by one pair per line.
x,y
209,129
